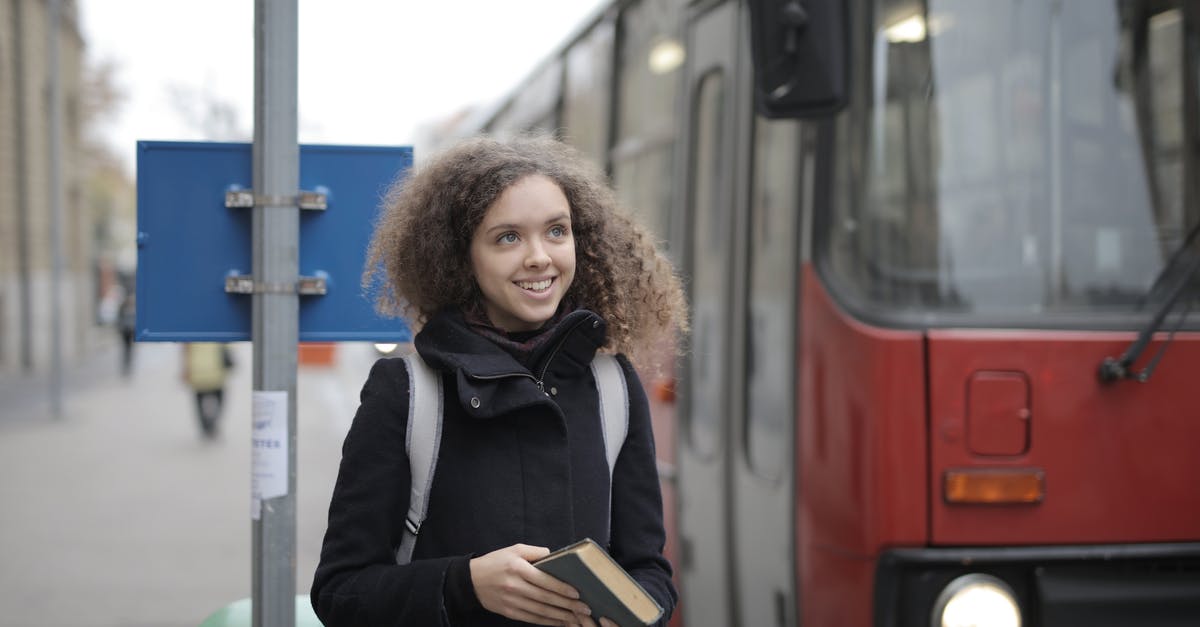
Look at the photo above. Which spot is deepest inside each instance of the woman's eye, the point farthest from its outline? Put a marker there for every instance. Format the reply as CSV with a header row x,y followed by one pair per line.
x,y
508,238
558,231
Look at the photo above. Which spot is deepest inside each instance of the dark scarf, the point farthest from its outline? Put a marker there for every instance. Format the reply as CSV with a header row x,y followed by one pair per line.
x,y
520,344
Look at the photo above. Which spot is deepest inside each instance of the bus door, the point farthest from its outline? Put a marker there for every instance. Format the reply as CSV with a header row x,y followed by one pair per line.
x,y
735,518
709,150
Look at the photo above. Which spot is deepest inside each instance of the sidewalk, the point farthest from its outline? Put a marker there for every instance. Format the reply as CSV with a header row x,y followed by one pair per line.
x,y
120,514
27,397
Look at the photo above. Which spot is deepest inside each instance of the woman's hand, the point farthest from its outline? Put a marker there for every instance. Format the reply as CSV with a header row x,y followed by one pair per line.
x,y
508,584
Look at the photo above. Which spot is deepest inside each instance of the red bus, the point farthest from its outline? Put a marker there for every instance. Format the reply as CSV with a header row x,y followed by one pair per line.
x,y
940,256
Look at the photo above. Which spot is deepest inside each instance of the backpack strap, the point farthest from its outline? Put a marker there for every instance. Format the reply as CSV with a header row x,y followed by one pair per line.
x,y
421,442
614,416
614,405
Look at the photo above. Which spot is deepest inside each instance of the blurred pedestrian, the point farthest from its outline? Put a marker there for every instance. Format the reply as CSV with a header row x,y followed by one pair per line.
x,y
517,265
205,368
126,322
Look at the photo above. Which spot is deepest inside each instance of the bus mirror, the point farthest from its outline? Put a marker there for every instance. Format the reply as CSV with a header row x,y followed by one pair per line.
x,y
799,49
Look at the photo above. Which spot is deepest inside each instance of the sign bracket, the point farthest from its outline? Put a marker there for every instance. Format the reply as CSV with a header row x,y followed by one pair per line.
x,y
306,286
247,199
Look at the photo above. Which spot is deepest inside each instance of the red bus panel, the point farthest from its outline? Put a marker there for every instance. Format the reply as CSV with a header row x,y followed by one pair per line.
x,y
862,458
1120,461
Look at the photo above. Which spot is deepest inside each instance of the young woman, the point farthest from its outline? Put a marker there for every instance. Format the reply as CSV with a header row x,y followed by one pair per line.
x,y
517,265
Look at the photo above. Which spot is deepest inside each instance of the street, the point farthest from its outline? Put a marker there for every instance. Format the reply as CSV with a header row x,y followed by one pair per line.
x,y
120,514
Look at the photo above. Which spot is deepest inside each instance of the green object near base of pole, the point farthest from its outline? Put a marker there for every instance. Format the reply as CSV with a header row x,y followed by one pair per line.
x,y
239,614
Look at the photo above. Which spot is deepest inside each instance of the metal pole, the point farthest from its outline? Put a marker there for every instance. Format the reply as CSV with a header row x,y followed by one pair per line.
x,y
275,311
56,213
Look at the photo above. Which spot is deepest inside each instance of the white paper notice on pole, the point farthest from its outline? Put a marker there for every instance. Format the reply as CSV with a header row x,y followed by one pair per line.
x,y
269,441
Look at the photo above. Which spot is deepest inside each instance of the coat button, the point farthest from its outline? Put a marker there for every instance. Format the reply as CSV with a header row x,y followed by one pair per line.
x,y
553,391
475,402
595,324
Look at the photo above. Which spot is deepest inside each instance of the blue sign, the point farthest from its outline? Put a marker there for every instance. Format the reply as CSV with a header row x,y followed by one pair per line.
x,y
189,241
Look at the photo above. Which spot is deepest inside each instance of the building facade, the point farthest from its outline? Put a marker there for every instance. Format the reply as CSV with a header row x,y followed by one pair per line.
x,y
27,225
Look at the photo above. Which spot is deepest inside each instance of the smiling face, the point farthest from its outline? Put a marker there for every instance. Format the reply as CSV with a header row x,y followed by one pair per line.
x,y
523,254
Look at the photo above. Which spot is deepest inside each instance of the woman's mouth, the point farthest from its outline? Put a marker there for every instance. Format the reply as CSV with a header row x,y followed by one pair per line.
x,y
537,287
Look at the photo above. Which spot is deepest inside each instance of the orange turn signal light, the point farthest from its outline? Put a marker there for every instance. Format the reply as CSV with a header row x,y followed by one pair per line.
x,y
664,390
994,485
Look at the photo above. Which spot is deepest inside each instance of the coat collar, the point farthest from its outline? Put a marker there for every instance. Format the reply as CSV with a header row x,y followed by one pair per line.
x,y
490,380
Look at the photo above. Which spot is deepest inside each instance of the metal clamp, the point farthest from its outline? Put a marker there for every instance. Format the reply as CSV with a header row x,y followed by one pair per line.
x,y
306,286
247,199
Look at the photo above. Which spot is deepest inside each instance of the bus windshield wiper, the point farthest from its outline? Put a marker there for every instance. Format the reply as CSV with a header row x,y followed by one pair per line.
x,y
1115,369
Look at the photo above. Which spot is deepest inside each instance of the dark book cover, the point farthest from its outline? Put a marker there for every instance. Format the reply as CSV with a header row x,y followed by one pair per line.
x,y
602,584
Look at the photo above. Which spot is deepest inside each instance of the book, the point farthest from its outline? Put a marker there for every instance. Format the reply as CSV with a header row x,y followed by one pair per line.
x,y
602,584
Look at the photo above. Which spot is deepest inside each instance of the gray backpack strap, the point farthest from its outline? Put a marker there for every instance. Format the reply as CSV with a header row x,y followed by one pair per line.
x,y
422,442
614,405
614,415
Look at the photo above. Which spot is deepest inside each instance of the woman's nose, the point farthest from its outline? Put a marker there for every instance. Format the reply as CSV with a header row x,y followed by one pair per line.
x,y
536,256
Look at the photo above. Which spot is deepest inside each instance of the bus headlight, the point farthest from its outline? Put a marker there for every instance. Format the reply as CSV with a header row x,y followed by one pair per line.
x,y
385,348
976,600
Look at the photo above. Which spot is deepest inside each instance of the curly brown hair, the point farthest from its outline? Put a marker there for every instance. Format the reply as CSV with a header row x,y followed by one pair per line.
x,y
418,262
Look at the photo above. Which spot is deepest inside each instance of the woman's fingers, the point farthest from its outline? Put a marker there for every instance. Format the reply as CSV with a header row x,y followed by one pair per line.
x,y
535,601
584,621
558,589
536,619
527,552
508,584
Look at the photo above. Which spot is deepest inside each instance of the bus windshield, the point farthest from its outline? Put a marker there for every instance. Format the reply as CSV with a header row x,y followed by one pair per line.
x,y
1015,160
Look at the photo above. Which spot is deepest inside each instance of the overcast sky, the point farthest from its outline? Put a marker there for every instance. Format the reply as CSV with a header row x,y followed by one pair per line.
x,y
370,71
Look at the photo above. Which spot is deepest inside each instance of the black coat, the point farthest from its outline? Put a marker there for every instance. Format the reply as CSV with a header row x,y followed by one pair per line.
x,y
518,466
